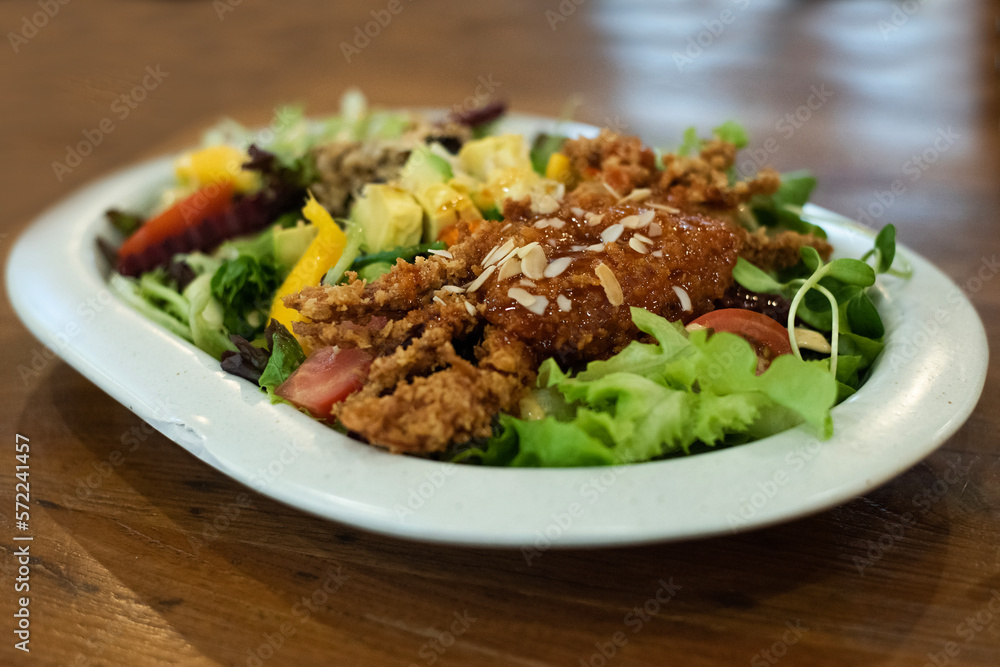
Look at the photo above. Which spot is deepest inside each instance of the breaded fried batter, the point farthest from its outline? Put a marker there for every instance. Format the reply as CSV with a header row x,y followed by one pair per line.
x,y
670,252
781,250
454,404
458,339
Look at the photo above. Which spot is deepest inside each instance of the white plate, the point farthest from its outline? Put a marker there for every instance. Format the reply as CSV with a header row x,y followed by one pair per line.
x,y
923,388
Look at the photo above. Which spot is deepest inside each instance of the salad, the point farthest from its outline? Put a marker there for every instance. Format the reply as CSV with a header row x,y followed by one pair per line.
x,y
440,288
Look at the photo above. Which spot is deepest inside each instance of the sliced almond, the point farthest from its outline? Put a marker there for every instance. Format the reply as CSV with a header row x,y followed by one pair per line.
x,y
508,256
527,283
469,307
656,253
612,289
478,282
564,303
812,340
554,223
684,297
454,289
523,251
441,253
438,300
534,263
522,296
597,247
539,306
578,212
654,229
544,204
664,207
509,269
594,219
498,253
611,234
646,217
637,195
557,266
638,246
642,237
611,190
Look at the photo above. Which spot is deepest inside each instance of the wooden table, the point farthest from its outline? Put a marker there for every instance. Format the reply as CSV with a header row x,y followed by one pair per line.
x,y
164,560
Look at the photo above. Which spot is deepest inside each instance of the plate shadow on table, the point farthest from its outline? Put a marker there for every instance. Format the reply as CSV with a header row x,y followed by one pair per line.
x,y
227,567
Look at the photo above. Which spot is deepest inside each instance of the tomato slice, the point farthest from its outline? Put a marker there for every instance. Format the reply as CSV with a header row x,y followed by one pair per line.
x,y
768,338
327,376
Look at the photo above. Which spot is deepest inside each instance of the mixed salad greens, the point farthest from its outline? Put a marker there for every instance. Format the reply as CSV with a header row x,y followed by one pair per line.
x,y
240,229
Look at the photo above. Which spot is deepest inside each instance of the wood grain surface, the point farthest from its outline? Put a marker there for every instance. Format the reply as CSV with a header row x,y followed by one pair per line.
x,y
143,555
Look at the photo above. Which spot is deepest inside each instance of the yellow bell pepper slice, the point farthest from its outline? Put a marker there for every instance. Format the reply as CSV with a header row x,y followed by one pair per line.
x,y
558,169
322,253
216,164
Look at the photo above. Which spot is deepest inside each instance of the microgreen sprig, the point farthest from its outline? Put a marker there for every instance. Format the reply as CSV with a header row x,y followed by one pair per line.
x,y
843,284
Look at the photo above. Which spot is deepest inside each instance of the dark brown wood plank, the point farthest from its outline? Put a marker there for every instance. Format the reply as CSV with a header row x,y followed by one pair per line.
x,y
144,555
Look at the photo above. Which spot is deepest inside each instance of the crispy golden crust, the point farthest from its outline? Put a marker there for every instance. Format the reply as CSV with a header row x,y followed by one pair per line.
x,y
458,339
451,401
781,250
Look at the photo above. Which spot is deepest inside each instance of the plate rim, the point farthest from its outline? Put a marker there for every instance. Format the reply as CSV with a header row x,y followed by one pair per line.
x,y
518,522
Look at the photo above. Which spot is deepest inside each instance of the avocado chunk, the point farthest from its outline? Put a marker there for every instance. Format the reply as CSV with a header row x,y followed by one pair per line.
x,y
290,244
482,158
388,217
422,169
444,206
426,176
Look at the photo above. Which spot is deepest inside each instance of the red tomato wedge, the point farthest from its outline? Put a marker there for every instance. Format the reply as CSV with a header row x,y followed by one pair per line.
x,y
768,338
328,376
209,201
